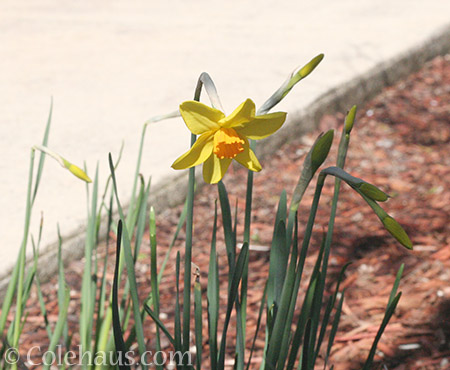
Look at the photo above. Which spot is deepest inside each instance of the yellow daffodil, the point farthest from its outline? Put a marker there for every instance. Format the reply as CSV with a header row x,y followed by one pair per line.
x,y
223,139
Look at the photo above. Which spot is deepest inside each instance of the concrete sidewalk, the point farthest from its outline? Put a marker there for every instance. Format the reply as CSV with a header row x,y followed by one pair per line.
x,y
111,65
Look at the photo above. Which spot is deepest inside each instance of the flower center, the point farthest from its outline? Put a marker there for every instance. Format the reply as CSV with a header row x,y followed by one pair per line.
x,y
227,143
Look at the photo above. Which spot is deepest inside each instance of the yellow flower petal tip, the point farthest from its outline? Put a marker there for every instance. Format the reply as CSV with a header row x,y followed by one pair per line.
x,y
225,138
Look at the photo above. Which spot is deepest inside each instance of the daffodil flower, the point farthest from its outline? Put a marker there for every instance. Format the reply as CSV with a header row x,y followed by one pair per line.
x,y
223,139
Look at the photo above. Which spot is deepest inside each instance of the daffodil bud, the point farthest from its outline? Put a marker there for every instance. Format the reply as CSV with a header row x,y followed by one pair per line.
x,y
397,231
373,192
308,68
77,171
321,149
350,119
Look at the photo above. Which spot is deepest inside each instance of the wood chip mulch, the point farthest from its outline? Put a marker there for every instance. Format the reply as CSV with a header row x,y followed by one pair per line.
x,y
400,142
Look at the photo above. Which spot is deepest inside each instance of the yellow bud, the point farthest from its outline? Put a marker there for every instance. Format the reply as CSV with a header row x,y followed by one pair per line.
x,y
77,171
350,119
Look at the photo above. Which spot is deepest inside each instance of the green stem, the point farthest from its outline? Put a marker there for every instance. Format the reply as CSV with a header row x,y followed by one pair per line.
x,y
22,257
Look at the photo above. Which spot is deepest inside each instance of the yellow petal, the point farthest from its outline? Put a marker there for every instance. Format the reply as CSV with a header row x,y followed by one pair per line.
x,y
214,169
242,114
248,159
200,118
199,153
262,126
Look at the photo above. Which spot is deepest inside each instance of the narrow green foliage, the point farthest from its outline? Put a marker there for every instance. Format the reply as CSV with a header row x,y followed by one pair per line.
x,y
387,316
258,324
60,324
212,294
285,312
279,254
40,167
334,326
198,321
227,224
232,295
154,279
130,269
306,363
121,349
177,325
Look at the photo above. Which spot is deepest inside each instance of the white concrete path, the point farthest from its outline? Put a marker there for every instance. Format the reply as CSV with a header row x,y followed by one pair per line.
x,y
111,65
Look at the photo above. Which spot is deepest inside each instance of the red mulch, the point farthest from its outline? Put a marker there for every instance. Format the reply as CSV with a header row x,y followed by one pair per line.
x,y
400,142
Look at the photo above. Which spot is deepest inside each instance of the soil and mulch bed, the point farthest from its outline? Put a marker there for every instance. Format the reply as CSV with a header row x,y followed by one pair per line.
x,y
400,142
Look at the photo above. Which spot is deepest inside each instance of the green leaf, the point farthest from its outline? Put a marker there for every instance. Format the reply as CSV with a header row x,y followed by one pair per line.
x,y
279,256
130,268
227,224
118,335
212,295
198,321
387,316
232,295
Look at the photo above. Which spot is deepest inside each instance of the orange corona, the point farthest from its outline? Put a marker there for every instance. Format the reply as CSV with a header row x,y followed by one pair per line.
x,y
227,143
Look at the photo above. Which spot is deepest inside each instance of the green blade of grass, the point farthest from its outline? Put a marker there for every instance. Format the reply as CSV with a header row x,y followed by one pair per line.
x,y
334,327
154,279
305,312
212,295
121,349
61,283
233,292
148,300
141,150
279,254
40,167
396,283
188,258
281,313
177,325
227,225
258,324
59,328
328,310
18,275
88,285
198,321
101,308
130,269
160,324
387,316
306,363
